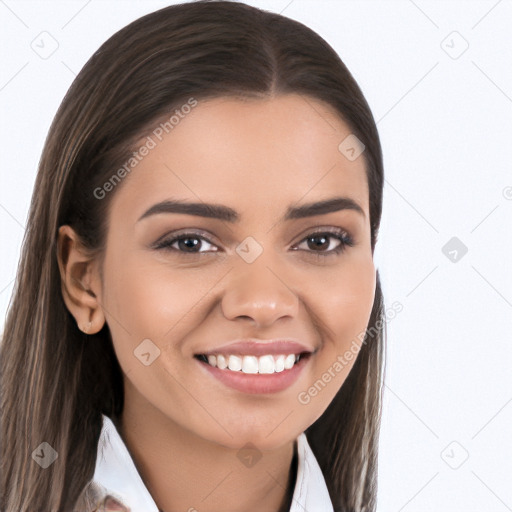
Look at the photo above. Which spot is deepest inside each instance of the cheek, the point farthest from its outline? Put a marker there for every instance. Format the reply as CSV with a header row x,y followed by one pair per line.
x,y
348,301
345,311
145,300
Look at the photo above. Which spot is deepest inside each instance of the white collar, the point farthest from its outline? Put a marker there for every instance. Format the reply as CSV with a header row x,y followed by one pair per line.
x,y
117,476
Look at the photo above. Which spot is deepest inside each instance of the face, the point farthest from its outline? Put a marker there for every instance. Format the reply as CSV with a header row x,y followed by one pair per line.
x,y
178,284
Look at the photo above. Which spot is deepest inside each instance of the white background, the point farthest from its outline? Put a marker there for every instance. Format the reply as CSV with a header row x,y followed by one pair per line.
x,y
445,121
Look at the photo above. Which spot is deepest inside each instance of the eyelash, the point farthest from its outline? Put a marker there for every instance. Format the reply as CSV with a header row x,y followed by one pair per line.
x,y
344,238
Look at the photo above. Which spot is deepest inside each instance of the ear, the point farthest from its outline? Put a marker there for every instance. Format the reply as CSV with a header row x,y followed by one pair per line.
x,y
80,279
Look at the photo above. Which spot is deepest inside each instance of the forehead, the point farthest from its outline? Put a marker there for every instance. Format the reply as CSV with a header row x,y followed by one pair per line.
x,y
254,155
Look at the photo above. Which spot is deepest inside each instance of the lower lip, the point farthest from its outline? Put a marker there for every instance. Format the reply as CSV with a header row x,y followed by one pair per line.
x,y
256,382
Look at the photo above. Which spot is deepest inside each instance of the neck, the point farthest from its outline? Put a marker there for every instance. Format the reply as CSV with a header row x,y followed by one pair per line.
x,y
287,501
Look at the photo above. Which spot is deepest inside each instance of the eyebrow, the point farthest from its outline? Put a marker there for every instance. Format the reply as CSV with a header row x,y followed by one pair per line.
x,y
225,213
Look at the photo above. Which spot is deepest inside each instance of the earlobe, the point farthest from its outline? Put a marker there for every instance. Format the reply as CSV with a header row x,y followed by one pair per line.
x,y
80,281
86,328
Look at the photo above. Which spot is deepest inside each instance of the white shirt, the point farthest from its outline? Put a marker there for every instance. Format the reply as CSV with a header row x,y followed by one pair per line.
x,y
116,476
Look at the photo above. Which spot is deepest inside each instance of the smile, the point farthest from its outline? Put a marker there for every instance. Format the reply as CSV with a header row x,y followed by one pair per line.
x,y
250,364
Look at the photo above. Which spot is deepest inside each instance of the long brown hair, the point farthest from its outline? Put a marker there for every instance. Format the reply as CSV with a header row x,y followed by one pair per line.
x,y
56,381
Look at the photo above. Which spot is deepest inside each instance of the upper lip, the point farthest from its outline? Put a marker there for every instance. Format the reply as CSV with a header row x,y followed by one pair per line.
x,y
259,348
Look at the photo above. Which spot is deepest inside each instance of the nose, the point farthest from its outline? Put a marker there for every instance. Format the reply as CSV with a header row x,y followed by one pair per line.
x,y
259,293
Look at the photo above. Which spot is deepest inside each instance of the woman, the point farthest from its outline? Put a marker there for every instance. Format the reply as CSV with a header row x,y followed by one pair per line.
x,y
197,322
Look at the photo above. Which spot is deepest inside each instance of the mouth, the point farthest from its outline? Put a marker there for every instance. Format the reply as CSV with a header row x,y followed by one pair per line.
x,y
252,364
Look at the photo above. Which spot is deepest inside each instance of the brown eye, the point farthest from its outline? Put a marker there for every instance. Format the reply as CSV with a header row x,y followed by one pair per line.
x,y
326,243
186,243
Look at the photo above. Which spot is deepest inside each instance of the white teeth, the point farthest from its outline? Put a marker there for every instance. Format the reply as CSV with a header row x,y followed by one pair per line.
x,y
289,361
252,364
279,363
266,364
221,362
235,363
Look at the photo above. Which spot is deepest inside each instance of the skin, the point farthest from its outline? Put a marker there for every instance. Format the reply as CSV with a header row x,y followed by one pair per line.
x,y
182,426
